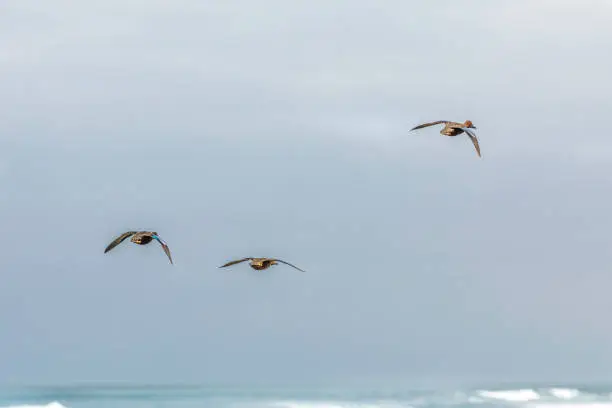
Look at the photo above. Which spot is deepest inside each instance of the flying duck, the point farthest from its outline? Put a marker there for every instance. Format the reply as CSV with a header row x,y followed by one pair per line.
x,y
259,264
454,129
140,238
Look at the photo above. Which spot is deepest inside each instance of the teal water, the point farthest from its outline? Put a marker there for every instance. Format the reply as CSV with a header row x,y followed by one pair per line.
x,y
209,397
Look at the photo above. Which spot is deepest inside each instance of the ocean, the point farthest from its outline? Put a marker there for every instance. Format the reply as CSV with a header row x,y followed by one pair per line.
x,y
210,397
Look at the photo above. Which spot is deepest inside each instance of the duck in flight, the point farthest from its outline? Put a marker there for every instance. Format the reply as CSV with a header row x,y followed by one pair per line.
x,y
454,129
140,238
259,264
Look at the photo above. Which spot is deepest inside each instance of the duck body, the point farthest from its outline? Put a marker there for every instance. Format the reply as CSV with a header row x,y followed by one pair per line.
x,y
452,129
260,264
143,237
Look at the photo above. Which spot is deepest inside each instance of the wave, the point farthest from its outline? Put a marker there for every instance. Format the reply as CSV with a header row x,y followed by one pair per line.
x,y
529,394
524,398
524,395
565,393
547,398
53,404
337,404
593,404
527,397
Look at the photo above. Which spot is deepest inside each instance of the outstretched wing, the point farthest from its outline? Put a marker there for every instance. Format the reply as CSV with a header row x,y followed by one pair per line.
x,y
235,262
474,140
164,246
119,240
429,124
287,263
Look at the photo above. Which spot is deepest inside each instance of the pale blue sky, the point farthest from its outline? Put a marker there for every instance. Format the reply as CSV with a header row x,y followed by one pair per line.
x,y
274,128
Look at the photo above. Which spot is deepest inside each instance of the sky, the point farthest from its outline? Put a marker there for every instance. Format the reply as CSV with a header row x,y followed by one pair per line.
x,y
273,128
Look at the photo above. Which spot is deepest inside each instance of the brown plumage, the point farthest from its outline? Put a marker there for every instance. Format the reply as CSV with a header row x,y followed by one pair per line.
x,y
140,238
454,129
259,264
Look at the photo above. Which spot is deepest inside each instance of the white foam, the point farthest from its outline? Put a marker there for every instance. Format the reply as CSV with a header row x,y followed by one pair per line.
x,y
564,393
336,404
524,395
475,400
573,405
53,404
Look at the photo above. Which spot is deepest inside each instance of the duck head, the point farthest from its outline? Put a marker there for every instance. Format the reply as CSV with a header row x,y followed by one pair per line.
x,y
469,124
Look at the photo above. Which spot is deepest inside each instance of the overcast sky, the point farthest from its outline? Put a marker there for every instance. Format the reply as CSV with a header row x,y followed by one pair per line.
x,y
277,128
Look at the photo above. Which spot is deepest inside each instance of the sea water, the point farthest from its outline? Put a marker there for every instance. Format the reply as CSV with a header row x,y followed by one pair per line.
x,y
216,397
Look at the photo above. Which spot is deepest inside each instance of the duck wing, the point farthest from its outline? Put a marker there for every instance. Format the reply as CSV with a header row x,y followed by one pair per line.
x,y
474,139
165,247
438,122
235,262
119,240
287,263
